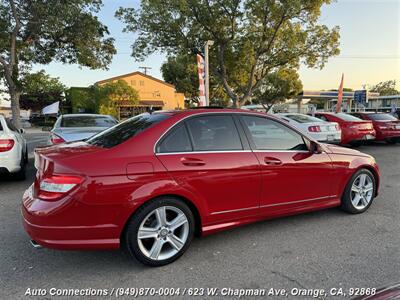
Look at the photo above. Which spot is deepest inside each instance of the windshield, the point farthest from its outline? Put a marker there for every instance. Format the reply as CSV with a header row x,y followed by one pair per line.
x,y
125,130
303,118
347,117
382,117
87,121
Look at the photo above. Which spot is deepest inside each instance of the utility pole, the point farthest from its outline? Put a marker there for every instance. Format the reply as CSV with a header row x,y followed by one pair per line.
x,y
145,69
207,74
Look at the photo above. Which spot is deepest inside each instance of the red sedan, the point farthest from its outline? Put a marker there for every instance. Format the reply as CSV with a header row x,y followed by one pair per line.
x,y
151,183
386,126
355,131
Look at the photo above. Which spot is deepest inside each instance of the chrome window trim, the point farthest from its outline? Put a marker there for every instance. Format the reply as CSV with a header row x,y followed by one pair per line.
x,y
275,204
227,113
205,152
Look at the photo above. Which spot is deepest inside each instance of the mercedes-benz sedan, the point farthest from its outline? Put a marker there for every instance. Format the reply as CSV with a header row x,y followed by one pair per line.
x,y
151,183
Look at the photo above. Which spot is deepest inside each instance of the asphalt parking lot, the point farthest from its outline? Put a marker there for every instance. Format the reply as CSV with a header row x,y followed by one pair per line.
x,y
326,249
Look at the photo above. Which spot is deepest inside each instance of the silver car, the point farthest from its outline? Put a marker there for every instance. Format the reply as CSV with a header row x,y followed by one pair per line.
x,y
77,127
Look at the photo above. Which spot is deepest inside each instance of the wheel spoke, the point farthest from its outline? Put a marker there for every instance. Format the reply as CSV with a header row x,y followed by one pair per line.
x,y
179,220
355,189
161,216
146,233
175,242
356,200
364,201
363,177
369,187
156,249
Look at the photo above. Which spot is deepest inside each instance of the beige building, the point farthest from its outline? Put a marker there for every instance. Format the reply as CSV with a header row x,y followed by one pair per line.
x,y
153,93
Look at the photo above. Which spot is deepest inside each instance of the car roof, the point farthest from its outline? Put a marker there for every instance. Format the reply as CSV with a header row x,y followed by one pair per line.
x,y
84,115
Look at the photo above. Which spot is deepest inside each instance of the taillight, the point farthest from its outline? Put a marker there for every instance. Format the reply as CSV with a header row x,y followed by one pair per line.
x,y
314,128
55,139
6,145
54,187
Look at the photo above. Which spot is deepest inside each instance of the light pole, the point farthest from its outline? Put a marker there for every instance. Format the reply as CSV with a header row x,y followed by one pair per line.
x,y
207,79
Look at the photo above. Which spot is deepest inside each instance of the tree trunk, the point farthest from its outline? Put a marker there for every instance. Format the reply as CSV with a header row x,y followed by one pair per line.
x,y
15,110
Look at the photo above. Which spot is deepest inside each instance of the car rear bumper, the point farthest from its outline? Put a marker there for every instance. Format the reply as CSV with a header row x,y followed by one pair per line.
x,y
41,222
10,162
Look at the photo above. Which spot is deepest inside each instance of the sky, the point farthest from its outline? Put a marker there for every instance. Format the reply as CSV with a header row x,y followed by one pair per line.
x,y
369,43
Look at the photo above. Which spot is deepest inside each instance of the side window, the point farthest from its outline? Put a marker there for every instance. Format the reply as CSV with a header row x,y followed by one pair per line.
x,y
177,140
214,133
271,135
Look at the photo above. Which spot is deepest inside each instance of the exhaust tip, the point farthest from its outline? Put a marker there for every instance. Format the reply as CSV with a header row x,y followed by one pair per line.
x,y
35,244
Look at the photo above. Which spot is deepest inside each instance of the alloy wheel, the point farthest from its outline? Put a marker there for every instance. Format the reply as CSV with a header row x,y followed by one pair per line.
x,y
362,191
163,233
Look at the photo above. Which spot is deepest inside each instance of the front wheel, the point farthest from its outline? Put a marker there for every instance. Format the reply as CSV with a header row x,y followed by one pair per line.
x,y
359,192
160,231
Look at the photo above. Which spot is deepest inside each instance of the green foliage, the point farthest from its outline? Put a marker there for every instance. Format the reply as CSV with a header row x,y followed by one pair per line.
x,y
39,32
385,88
39,90
277,87
253,38
181,71
112,94
82,99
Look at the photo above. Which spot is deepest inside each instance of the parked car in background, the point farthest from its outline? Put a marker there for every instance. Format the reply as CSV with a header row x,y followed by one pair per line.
x,y
355,131
150,183
13,149
77,127
319,130
387,127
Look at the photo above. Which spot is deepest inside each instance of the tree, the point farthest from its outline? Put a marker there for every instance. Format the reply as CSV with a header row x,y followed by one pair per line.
x,y
39,89
181,71
277,87
385,88
252,38
112,94
42,31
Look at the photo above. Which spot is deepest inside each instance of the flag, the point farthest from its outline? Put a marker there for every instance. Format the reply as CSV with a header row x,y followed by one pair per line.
x,y
51,109
200,71
340,96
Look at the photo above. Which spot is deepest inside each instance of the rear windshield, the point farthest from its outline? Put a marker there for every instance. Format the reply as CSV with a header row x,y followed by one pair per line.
x,y
125,130
382,117
303,118
87,121
347,117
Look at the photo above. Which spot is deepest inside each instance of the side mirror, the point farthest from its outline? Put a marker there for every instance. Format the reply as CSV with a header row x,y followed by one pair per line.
x,y
315,147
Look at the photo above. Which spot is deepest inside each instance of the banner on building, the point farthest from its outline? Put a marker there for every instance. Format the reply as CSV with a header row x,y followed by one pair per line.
x,y
201,72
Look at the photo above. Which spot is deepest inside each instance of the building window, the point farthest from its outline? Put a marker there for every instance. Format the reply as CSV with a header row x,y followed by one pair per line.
x,y
133,82
141,83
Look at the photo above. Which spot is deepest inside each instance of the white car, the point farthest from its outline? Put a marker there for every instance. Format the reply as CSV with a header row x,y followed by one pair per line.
x,y
319,130
13,149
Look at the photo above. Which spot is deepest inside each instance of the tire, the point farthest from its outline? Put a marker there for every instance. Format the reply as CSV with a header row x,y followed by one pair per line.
x,y
21,174
350,202
391,141
174,241
356,144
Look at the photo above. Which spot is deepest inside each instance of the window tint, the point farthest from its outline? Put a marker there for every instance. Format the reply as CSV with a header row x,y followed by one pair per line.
x,y
382,117
176,140
125,130
322,117
347,117
214,133
299,118
271,135
87,121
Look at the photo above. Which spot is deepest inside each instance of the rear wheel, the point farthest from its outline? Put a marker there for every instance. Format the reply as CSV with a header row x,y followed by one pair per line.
x,y
160,231
391,141
359,192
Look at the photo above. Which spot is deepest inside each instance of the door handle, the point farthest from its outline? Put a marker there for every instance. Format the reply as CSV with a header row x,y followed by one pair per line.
x,y
192,162
272,161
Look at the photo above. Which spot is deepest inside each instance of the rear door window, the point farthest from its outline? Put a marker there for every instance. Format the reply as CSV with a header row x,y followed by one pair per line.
x,y
214,133
177,140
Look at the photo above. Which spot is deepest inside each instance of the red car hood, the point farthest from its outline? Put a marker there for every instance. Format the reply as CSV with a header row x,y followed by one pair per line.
x,y
334,149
